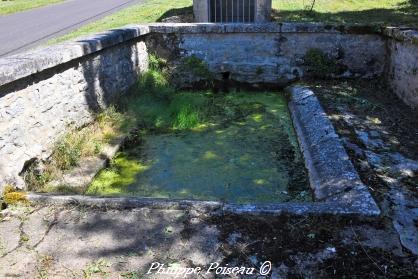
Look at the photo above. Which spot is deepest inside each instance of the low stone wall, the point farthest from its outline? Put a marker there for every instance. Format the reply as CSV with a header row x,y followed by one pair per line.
x,y
402,73
272,53
44,92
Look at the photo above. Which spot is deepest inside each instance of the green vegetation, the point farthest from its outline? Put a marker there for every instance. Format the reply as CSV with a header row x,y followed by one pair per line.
x,y
196,143
95,268
149,11
197,67
14,6
12,196
78,144
375,12
322,65
191,144
386,12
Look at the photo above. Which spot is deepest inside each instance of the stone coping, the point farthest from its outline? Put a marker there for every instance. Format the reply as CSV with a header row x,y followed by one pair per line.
x,y
297,209
403,34
31,62
337,187
332,176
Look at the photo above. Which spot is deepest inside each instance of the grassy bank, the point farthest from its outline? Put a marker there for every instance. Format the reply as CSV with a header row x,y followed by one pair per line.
x,y
14,6
387,12
149,11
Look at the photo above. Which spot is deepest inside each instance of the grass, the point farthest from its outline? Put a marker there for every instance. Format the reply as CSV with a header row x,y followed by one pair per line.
x,y
77,144
381,12
14,6
149,11
387,12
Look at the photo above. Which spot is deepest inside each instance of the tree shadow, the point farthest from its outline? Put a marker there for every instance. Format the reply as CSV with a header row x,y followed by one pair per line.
x,y
185,13
405,14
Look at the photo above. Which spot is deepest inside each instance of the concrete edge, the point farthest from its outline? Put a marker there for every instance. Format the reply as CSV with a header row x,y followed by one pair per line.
x,y
34,61
332,176
297,209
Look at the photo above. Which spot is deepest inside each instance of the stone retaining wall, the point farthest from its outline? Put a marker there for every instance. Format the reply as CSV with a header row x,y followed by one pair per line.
x,y
36,109
402,73
46,91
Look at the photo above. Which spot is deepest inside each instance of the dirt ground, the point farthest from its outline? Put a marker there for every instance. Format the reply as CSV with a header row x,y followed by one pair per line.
x,y
77,242
378,131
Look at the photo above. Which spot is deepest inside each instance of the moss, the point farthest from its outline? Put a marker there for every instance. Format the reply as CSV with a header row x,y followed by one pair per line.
x,y
194,71
322,65
259,71
15,197
198,67
11,196
117,178
8,188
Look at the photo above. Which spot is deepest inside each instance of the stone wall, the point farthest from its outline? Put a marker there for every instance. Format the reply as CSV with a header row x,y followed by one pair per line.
x,y
402,74
279,57
36,109
275,53
45,92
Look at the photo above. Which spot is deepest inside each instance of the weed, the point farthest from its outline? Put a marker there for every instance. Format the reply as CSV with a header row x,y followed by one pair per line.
x,y
186,118
24,237
44,264
156,63
36,177
96,267
321,64
198,67
155,82
187,110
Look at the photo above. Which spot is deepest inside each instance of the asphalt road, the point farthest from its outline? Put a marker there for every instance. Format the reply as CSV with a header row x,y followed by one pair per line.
x,y
30,28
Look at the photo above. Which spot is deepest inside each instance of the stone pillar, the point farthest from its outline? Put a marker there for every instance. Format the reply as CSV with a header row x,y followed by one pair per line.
x,y
201,10
263,11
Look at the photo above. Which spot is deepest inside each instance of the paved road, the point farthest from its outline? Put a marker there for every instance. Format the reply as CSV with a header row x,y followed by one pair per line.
x,y
27,29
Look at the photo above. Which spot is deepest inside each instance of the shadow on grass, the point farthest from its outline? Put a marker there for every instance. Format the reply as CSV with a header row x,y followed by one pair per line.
x,y
183,13
406,14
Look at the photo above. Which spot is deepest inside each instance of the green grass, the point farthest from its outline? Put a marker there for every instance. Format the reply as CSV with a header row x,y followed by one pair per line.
x,y
149,11
14,6
386,12
76,145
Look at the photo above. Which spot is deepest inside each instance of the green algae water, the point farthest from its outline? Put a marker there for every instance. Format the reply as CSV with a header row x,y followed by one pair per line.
x,y
235,147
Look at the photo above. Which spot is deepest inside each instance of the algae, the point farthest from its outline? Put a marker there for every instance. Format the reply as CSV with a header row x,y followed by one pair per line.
x,y
236,147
